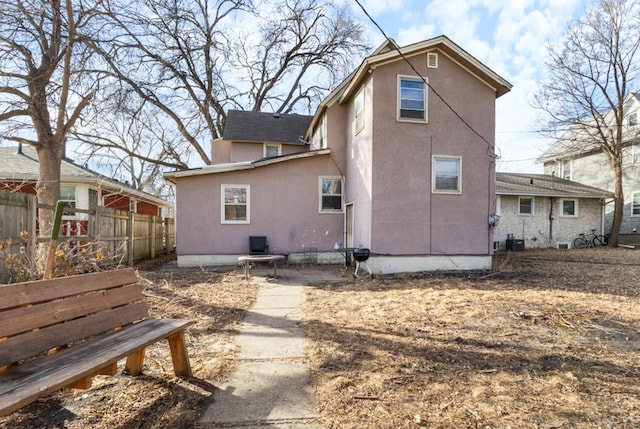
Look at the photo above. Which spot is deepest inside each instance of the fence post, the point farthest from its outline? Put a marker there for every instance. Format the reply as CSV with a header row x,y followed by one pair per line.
x,y
152,225
130,239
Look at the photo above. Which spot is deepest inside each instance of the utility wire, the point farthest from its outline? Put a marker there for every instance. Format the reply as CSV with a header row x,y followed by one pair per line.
x,y
397,48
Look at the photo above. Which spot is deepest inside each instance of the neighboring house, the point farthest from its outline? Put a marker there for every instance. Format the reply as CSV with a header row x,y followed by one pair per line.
x,y
570,158
545,210
385,163
79,187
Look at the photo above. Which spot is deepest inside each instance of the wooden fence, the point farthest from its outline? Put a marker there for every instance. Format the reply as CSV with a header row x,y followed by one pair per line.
x,y
124,237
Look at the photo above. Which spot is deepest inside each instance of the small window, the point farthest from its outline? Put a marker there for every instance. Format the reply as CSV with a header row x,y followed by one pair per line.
x,y
565,168
68,195
358,112
446,175
525,206
321,135
235,204
331,194
632,119
432,60
635,206
569,208
636,153
271,150
412,99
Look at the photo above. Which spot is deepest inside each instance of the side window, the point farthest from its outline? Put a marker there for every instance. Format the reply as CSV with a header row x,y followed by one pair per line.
x,y
358,112
635,205
632,119
412,99
566,169
525,206
569,208
446,175
331,198
235,204
271,150
68,195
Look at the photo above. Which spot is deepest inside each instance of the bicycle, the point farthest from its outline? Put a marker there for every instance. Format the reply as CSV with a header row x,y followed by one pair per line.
x,y
590,240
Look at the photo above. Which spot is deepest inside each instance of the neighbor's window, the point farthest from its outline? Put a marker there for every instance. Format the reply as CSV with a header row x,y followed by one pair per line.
x,y
271,150
412,99
235,203
68,195
446,175
569,208
636,153
635,206
330,194
632,119
565,168
525,206
358,112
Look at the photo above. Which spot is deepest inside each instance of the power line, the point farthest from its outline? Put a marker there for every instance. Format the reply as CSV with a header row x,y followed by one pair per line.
x,y
397,48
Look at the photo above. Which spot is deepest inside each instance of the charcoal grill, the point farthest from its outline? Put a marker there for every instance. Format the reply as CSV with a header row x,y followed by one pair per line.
x,y
361,256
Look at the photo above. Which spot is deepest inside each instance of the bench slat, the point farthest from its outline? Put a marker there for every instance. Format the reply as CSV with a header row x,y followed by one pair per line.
x,y
30,344
24,319
19,294
24,384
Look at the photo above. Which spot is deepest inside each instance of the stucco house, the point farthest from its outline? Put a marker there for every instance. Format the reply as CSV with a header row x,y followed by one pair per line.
x,y
80,187
570,158
546,210
399,158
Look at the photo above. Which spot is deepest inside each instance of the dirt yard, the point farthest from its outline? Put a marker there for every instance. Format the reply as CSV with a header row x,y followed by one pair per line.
x,y
548,339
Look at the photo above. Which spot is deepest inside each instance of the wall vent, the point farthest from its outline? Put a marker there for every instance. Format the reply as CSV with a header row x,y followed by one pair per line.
x,y
432,60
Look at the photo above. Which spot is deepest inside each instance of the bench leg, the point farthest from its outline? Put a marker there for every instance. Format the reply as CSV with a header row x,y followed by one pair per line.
x,y
179,356
135,362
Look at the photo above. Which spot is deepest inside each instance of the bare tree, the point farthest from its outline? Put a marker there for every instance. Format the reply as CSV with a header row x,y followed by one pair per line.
x,y
189,61
592,72
43,90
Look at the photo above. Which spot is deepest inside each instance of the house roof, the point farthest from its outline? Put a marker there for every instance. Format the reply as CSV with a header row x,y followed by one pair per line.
x,y
577,142
250,126
387,52
20,163
545,185
244,165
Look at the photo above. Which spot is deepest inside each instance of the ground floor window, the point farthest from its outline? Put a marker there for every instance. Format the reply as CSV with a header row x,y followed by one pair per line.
x,y
525,206
569,208
331,194
235,204
68,195
446,175
635,205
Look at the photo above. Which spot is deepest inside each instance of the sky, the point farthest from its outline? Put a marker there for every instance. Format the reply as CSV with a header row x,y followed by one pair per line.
x,y
508,36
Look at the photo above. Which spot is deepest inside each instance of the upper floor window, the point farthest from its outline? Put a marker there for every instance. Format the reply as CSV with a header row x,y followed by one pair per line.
x,y
636,153
271,150
412,99
565,170
525,206
569,208
635,204
235,203
321,135
358,112
632,119
331,194
446,175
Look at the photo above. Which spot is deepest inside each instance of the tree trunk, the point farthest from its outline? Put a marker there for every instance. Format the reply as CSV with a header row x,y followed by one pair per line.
x,y
618,204
48,186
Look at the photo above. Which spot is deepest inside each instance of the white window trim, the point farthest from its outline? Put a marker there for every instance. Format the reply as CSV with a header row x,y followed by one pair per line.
x,y
576,205
264,148
432,60
435,158
568,162
357,128
222,205
425,100
533,206
633,196
320,209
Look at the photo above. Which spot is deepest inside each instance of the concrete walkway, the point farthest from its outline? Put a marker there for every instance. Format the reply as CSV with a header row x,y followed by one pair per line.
x,y
269,387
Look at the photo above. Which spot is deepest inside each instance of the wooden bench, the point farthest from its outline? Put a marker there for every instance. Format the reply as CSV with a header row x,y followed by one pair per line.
x,y
61,332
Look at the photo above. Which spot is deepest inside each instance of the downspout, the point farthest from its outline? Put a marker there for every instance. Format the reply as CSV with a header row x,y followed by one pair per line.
x,y
551,201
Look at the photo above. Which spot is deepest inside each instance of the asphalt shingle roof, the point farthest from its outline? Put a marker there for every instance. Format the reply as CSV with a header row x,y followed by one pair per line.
x,y
545,185
249,126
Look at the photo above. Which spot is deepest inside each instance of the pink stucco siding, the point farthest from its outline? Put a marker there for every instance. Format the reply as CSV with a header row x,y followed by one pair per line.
x,y
389,165
284,205
224,151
